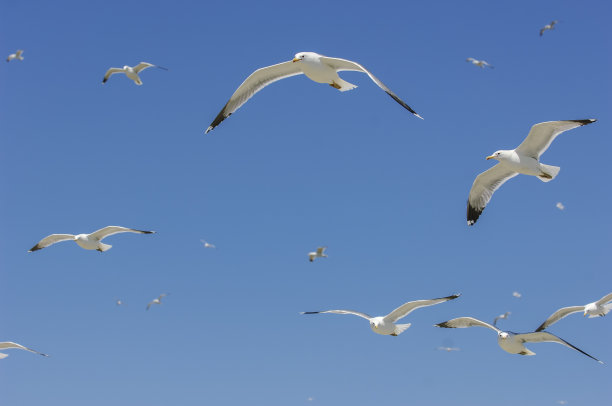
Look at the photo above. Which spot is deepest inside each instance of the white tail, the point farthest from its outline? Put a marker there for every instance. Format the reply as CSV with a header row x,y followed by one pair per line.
x,y
344,85
400,328
550,172
104,247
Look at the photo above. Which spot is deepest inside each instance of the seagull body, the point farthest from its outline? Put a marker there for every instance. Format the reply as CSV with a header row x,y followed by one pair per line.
x,y
523,159
385,325
91,241
157,300
8,344
560,206
17,55
131,72
319,253
482,63
595,309
207,244
501,316
318,68
550,26
510,342
448,349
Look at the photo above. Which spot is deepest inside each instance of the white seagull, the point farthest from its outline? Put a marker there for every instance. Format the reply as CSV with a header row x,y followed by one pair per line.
x,y
16,55
8,344
385,325
482,63
523,159
560,206
91,241
595,309
131,72
319,253
318,68
517,295
448,349
118,302
501,316
550,26
509,341
157,300
207,244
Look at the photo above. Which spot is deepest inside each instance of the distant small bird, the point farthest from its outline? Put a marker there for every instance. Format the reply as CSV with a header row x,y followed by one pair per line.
x,y
91,241
207,244
310,399
562,402
448,349
516,294
9,344
595,309
16,55
560,206
501,316
319,253
156,300
119,302
550,26
131,72
482,63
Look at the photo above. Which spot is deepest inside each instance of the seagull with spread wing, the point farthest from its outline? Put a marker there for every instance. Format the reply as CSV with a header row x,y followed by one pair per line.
x,y
509,341
385,325
8,344
500,317
318,68
595,309
319,253
17,55
157,300
131,72
91,241
483,64
547,27
523,159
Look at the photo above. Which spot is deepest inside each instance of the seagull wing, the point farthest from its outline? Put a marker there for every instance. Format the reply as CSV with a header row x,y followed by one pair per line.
x,y
50,240
483,188
546,337
470,60
604,299
542,135
320,250
363,315
110,230
558,315
110,72
9,344
406,308
254,83
19,52
464,322
142,66
344,64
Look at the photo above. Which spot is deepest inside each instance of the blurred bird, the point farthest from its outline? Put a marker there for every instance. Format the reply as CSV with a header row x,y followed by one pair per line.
x,y
16,55
319,253
156,300
207,244
118,302
560,206
8,344
131,72
91,241
448,349
482,63
516,294
501,316
550,26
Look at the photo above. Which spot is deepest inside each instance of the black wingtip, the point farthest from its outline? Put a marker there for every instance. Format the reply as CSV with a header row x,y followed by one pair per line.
x,y
34,248
472,214
310,312
443,325
585,121
542,327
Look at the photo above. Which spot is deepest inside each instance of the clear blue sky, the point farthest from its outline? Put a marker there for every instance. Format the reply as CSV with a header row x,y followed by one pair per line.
x,y
300,165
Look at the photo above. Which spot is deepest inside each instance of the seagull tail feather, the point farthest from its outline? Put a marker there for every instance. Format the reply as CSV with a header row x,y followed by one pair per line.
x,y
549,172
104,247
400,328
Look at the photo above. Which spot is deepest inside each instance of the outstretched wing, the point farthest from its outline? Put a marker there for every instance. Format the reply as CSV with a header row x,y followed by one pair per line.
x,y
604,299
546,337
50,240
320,250
558,315
344,64
542,135
142,66
483,188
464,322
110,72
9,344
110,230
353,312
406,308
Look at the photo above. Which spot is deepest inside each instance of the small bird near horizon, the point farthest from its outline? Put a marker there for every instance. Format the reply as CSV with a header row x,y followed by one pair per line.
x,y
483,64
131,72
598,308
318,68
547,27
91,241
509,341
9,344
157,300
118,302
319,253
560,206
448,349
17,55
500,317
523,159
207,244
385,325
517,295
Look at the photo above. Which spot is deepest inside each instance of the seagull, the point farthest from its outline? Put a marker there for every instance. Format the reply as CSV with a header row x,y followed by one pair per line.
x,y
131,72
8,344
595,309
16,55
501,316
319,253
91,241
385,325
319,68
560,206
516,295
509,341
482,63
550,26
157,300
118,302
207,244
523,159
448,349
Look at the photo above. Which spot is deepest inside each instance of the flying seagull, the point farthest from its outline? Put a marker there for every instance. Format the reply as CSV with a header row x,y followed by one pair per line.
x,y
319,253
385,325
207,244
517,295
523,159
157,300
91,241
448,349
16,55
8,344
550,26
131,72
501,316
118,302
509,341
319,68
482,63
560,206
595,309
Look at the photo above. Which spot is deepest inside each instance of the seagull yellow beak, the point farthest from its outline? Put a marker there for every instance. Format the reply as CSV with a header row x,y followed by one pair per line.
x,y
490,157
296,59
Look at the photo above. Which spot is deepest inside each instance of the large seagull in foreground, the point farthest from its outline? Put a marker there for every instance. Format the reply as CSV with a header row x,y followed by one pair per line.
x,y
595,309
319,68
91,241
523,159
10,344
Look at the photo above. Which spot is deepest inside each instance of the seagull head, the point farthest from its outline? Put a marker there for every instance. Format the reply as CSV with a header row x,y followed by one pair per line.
x,y
374,324
498,155
503,335
299,56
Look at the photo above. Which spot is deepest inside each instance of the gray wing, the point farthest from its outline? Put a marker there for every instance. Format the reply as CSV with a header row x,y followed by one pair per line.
x,y
406,308
604,299
353,312
50,240
9,344
320,250
543,134
110,230
142,66
344,64
558,315
483,188
110,72
546,337
254,83
464,322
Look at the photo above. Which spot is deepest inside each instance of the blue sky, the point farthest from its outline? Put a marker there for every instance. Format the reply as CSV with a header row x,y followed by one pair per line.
x,y
300,165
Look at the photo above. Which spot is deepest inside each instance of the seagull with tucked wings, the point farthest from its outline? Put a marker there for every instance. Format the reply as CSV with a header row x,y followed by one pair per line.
x,y
598,308
8,344
131,72
91,241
